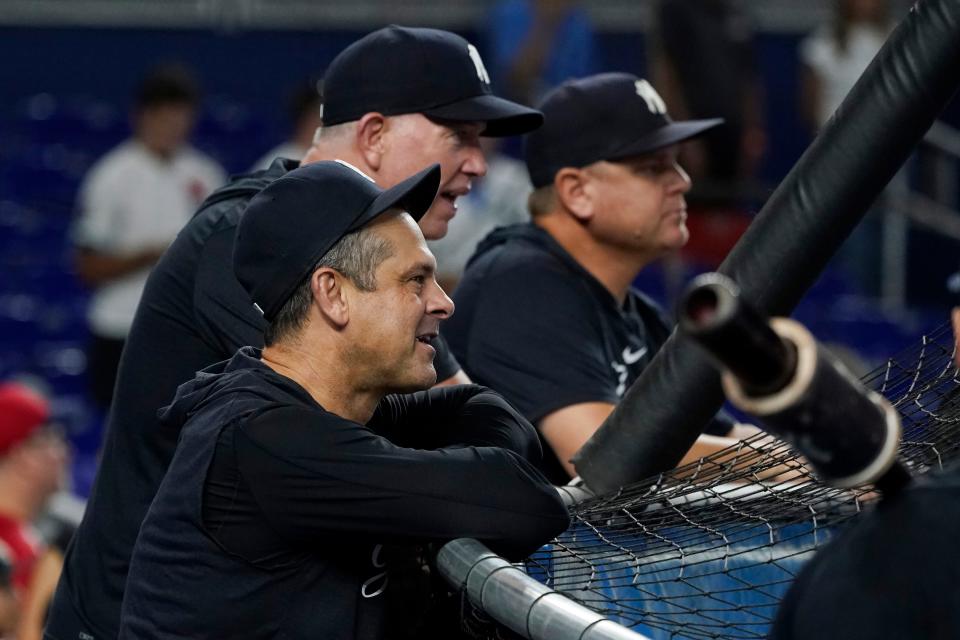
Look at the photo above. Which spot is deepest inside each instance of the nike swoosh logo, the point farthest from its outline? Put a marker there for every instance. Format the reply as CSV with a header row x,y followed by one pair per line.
x,y
630,357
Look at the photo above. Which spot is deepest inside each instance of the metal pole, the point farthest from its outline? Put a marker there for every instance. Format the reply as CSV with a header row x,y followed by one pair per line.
x,y
519,602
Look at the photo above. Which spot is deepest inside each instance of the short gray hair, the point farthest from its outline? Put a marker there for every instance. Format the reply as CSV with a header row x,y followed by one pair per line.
x,y
356,255
334,131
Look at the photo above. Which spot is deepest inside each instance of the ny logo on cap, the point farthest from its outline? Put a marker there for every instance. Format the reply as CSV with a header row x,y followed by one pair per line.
x,y
478,63
654,102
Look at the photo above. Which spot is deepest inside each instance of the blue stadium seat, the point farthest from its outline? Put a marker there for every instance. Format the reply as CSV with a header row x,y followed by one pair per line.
x,y
79,121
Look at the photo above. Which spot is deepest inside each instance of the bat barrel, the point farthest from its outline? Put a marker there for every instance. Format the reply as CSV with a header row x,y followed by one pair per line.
x,y
776,371
735,335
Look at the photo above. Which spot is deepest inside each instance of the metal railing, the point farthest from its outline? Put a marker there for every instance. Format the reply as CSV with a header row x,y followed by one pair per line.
x,y
518,601
931,203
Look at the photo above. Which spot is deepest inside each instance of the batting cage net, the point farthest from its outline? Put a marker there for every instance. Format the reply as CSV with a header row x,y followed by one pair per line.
x,y
709,549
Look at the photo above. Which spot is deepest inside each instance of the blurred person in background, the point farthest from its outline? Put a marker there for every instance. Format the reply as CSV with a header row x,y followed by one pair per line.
x,y
36,601
9,606
535,45
832,59
132,203
835,55
33,461
703,64
305,118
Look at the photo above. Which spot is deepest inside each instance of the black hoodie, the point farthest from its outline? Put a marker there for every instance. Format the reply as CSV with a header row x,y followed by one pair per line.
x,y
193,313
274,515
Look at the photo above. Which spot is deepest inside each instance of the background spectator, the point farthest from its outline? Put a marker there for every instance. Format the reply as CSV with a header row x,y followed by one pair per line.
x,y
835,55
131,206
832,59
535,45
33,461
8,598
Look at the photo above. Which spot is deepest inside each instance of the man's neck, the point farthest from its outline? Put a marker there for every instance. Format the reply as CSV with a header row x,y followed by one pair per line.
x,y
324,381
337,149
158,151
613,267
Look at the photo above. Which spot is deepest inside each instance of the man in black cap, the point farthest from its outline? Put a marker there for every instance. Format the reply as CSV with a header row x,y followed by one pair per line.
x,y
546,312
397,100
285,506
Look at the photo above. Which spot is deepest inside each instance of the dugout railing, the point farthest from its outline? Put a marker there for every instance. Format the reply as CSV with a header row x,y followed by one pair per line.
x,y
710,549
518,601
928,200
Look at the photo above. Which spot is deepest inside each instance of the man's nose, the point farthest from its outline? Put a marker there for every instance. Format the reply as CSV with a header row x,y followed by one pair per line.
x,y
440,305
682,178
475,164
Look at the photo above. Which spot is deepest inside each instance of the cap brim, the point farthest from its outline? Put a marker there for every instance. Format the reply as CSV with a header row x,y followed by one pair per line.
x,y
414,195
503,117
672,133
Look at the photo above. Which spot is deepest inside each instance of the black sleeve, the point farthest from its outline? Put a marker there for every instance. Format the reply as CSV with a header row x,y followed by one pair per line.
x,y
224,313
465,415
444,362
536,338
313,474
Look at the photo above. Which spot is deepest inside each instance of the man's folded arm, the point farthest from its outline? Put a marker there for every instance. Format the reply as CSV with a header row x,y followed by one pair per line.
x,y
468,415
314,476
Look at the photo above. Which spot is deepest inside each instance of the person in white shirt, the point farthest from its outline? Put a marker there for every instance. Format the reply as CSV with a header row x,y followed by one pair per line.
x,y
834,55
832,59
131,205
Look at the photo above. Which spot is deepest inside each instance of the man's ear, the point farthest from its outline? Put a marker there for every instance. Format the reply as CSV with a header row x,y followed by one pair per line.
x,y
369,133
574,191
326,285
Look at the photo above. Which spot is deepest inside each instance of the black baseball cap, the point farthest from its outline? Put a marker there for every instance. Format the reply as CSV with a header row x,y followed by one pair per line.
x,y
397,70
296,219
602,117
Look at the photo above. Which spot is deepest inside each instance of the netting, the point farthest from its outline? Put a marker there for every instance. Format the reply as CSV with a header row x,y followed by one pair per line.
x,y
708,550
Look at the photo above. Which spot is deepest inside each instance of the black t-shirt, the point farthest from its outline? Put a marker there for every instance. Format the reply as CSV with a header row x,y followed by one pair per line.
x,y
193,313
270,495
534,325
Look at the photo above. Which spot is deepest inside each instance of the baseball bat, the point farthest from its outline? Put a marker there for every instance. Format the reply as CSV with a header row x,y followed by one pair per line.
x,y
777,372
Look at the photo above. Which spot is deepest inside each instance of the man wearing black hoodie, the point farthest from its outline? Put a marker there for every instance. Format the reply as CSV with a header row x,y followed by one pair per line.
x,y
298,483
545,311
429,102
